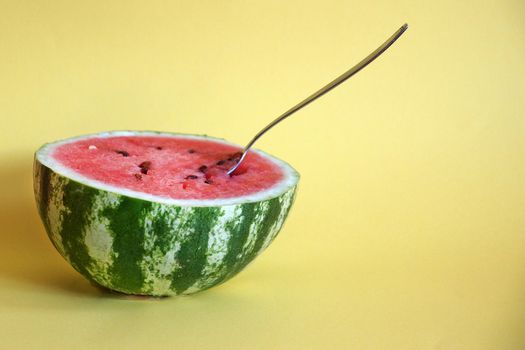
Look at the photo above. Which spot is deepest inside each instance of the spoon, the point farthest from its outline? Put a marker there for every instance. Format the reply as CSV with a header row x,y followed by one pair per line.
x,y
322,91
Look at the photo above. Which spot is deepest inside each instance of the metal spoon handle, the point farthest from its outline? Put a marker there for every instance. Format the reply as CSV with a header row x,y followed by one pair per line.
x,y
340,79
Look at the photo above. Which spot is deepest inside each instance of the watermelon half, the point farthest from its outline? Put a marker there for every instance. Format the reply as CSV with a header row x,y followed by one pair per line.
x,y
152,213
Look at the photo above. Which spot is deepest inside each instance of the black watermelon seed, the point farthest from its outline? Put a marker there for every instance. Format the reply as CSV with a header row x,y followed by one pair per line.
x,y
191,151
191,177
221,162
203,168
159,148
123,153
209,182
138,176
144,167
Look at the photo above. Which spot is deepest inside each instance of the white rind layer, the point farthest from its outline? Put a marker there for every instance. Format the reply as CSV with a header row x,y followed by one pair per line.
x,y
290,176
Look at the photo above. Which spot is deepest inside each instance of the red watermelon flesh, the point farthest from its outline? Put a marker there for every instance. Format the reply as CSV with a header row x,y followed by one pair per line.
x,y
176,167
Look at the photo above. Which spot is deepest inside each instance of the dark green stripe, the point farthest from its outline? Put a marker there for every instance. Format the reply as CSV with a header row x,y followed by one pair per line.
x,y
163,231
79,200
239,231
163,234
287,211
43,174
263,231
192,254
125,221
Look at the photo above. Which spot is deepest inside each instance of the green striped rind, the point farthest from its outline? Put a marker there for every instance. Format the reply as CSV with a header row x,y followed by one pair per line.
x,y
140,247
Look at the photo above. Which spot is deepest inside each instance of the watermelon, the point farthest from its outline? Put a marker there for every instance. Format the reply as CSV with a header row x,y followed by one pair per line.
x,y
150,213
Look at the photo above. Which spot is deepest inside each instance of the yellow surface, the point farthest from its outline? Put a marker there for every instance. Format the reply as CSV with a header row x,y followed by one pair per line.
x,y
409,228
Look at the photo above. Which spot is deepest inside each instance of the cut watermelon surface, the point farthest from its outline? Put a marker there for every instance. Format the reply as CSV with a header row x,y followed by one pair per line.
x,y
156,213
172,167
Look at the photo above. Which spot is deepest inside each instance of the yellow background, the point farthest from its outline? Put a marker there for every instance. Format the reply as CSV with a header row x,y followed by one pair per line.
x,y
409,228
